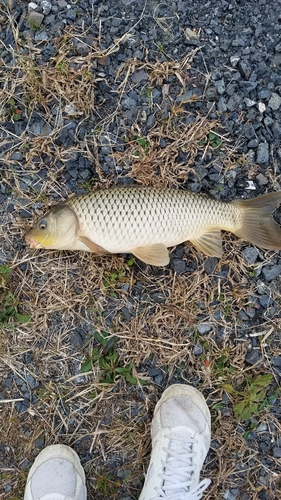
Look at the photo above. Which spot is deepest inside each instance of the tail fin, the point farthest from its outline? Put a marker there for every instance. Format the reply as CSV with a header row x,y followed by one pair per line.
x,y
259,228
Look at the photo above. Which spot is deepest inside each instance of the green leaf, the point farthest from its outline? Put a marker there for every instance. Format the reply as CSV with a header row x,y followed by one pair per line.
x,y
110,344
228,388
263,380
87,365
22,318
6,272
102,337
109,379
131,379
131,261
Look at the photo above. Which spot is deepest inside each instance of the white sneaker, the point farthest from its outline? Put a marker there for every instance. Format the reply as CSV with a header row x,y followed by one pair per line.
x,y
181,435
56,474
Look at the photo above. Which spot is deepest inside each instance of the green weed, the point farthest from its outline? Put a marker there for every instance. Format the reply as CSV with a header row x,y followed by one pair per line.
x,y
111,278
106,485
88,185
222,366
107,358
11,112
212,140
8,302
160,47
144,144
253,398
33,25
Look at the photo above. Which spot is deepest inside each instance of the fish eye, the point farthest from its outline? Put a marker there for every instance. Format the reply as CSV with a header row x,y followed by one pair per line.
x,y
42,224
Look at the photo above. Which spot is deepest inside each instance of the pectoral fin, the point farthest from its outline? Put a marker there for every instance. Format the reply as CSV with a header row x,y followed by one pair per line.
x,y
156,255
210,243
92,246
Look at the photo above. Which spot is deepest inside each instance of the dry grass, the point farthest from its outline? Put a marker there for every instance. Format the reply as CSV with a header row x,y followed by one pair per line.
x,y
65,293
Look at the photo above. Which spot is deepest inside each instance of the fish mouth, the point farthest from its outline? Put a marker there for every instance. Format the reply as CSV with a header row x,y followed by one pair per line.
x,y
32,243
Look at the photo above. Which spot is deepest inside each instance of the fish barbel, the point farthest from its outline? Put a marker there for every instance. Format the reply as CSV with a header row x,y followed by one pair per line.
x,y
146,221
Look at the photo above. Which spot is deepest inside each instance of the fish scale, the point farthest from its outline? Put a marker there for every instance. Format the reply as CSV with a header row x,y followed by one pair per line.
x,y
146,221
146,216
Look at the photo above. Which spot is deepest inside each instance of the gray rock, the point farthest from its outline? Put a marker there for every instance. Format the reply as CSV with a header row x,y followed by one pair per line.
x,y
150,121
189,95
190,35
276,129
35,128
271,272
230,494
277,452
245,68
139,76
265,301
268,121
46,7
159,379
17,156
220,86
129,103
211,93
198,349
138,54
39,443
210,264
276,361
249,131
243,316
262,427
253,143
263,93
77,338
234,102
253,356
71,14
251,312
32,382
41,36
82,49
275,101
222,104
262,153
34,20
178,266
250,255
204,328
249,102
22,406
262,180
234,60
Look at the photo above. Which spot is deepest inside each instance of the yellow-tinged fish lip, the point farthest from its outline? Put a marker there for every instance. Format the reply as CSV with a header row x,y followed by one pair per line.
x,y
32,243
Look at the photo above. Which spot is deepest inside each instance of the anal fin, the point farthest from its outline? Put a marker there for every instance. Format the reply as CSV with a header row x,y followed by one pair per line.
x,y
210,243
155,255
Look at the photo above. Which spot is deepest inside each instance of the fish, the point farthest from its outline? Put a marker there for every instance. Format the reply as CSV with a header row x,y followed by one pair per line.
x,y
146,221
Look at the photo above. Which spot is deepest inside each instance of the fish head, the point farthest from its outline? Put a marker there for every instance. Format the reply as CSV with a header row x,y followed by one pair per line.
x,y
56,230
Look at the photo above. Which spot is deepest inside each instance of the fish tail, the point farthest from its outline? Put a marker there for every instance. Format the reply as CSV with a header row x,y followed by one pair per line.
x,y
258,227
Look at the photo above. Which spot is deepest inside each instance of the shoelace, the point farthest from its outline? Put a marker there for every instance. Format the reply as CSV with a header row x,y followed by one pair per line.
x,y
178,469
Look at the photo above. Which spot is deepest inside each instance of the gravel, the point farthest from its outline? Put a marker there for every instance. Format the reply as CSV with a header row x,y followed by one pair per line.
x,y
239,49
